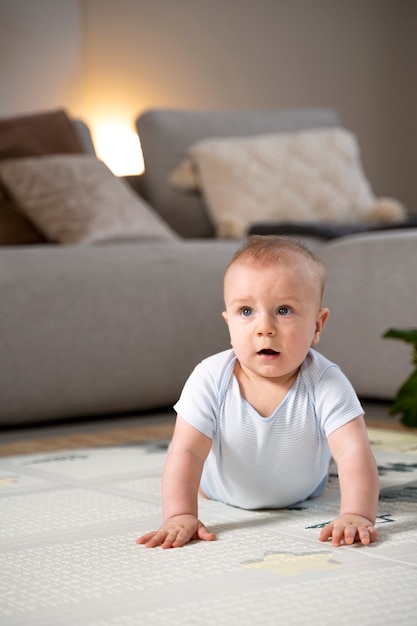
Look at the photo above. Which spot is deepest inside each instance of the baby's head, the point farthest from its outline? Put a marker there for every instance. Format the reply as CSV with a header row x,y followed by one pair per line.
x,y
273,289
282,252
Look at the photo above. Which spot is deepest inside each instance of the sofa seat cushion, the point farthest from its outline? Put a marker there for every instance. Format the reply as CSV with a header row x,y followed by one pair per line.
x,y
308,176
76,199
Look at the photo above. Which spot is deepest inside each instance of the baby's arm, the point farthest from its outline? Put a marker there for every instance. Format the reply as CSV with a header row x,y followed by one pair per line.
x,y
359,486
180,483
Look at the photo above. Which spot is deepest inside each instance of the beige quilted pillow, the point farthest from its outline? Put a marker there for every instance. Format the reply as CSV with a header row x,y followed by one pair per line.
x,y
307,176
77,199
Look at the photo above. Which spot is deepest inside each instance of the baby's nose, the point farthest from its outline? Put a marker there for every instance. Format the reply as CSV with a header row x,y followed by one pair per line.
x,y
266,326
266,331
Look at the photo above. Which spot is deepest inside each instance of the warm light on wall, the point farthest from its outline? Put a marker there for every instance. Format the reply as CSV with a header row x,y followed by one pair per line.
x,y
119,147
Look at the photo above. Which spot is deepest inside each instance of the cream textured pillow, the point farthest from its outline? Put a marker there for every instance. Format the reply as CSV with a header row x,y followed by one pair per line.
x,y
306,176
77,199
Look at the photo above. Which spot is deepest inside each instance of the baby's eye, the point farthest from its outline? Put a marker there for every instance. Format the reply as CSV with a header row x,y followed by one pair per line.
x,y
284,310
246,311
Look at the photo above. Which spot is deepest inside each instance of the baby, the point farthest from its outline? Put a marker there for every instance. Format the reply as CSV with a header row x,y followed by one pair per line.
x,y
258,424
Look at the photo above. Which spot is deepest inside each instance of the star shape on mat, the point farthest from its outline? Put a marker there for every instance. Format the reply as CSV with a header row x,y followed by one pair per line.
x,y
6,481
288,564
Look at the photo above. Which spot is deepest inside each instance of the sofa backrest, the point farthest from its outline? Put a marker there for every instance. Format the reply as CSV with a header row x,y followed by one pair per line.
x,y
166,134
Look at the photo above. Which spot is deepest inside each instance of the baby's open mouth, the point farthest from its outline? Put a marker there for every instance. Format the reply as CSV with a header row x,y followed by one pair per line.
x,y
268,351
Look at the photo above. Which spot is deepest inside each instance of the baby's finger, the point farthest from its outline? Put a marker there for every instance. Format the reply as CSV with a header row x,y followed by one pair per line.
x,y
183,536
145,538
350,533
338,534
171,539
326,532
204,534
158,538
367,534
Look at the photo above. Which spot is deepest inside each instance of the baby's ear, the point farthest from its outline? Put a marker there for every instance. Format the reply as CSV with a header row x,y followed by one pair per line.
x,y
320,322
224,316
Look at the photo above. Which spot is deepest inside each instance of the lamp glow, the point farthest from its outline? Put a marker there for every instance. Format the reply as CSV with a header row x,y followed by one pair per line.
x,y
119,147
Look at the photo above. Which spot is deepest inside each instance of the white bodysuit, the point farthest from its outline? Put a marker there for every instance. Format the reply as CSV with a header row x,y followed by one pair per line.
x,y
260,462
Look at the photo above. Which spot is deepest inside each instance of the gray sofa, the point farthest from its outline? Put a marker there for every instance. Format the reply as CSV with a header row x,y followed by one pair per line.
x,y
95,330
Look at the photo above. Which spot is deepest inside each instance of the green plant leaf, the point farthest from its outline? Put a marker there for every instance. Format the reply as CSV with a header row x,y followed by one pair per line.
x,y
409,335
405,402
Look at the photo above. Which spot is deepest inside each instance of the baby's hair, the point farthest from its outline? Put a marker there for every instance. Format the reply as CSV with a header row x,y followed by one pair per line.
x,y
265,250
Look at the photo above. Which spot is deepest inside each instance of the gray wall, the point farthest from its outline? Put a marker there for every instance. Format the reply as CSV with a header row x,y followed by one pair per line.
x,y
101,57
40,55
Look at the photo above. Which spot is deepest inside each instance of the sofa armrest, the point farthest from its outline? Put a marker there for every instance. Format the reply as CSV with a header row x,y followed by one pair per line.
x,y
371,286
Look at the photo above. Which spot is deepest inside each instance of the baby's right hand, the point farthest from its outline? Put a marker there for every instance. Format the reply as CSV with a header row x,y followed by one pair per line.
x,y
176,532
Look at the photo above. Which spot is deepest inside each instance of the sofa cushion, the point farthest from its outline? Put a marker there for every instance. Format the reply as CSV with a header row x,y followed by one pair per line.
x,y
51,132
306,176
166,135
77,199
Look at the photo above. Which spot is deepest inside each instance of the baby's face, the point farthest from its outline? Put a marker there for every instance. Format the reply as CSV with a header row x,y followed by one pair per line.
x,y
274,315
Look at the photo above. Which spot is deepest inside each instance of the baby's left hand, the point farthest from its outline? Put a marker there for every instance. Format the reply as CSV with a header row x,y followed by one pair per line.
x,y
349,529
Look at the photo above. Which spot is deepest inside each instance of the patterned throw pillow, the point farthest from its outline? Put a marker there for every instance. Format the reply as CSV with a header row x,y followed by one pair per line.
x,y
76,199
50,132
308,176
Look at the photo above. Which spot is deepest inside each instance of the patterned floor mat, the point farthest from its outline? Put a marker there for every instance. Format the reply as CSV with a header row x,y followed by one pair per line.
x,y
68,556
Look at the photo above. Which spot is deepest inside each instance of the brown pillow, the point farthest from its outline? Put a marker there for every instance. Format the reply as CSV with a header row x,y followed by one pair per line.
x,y
31,135
42,133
